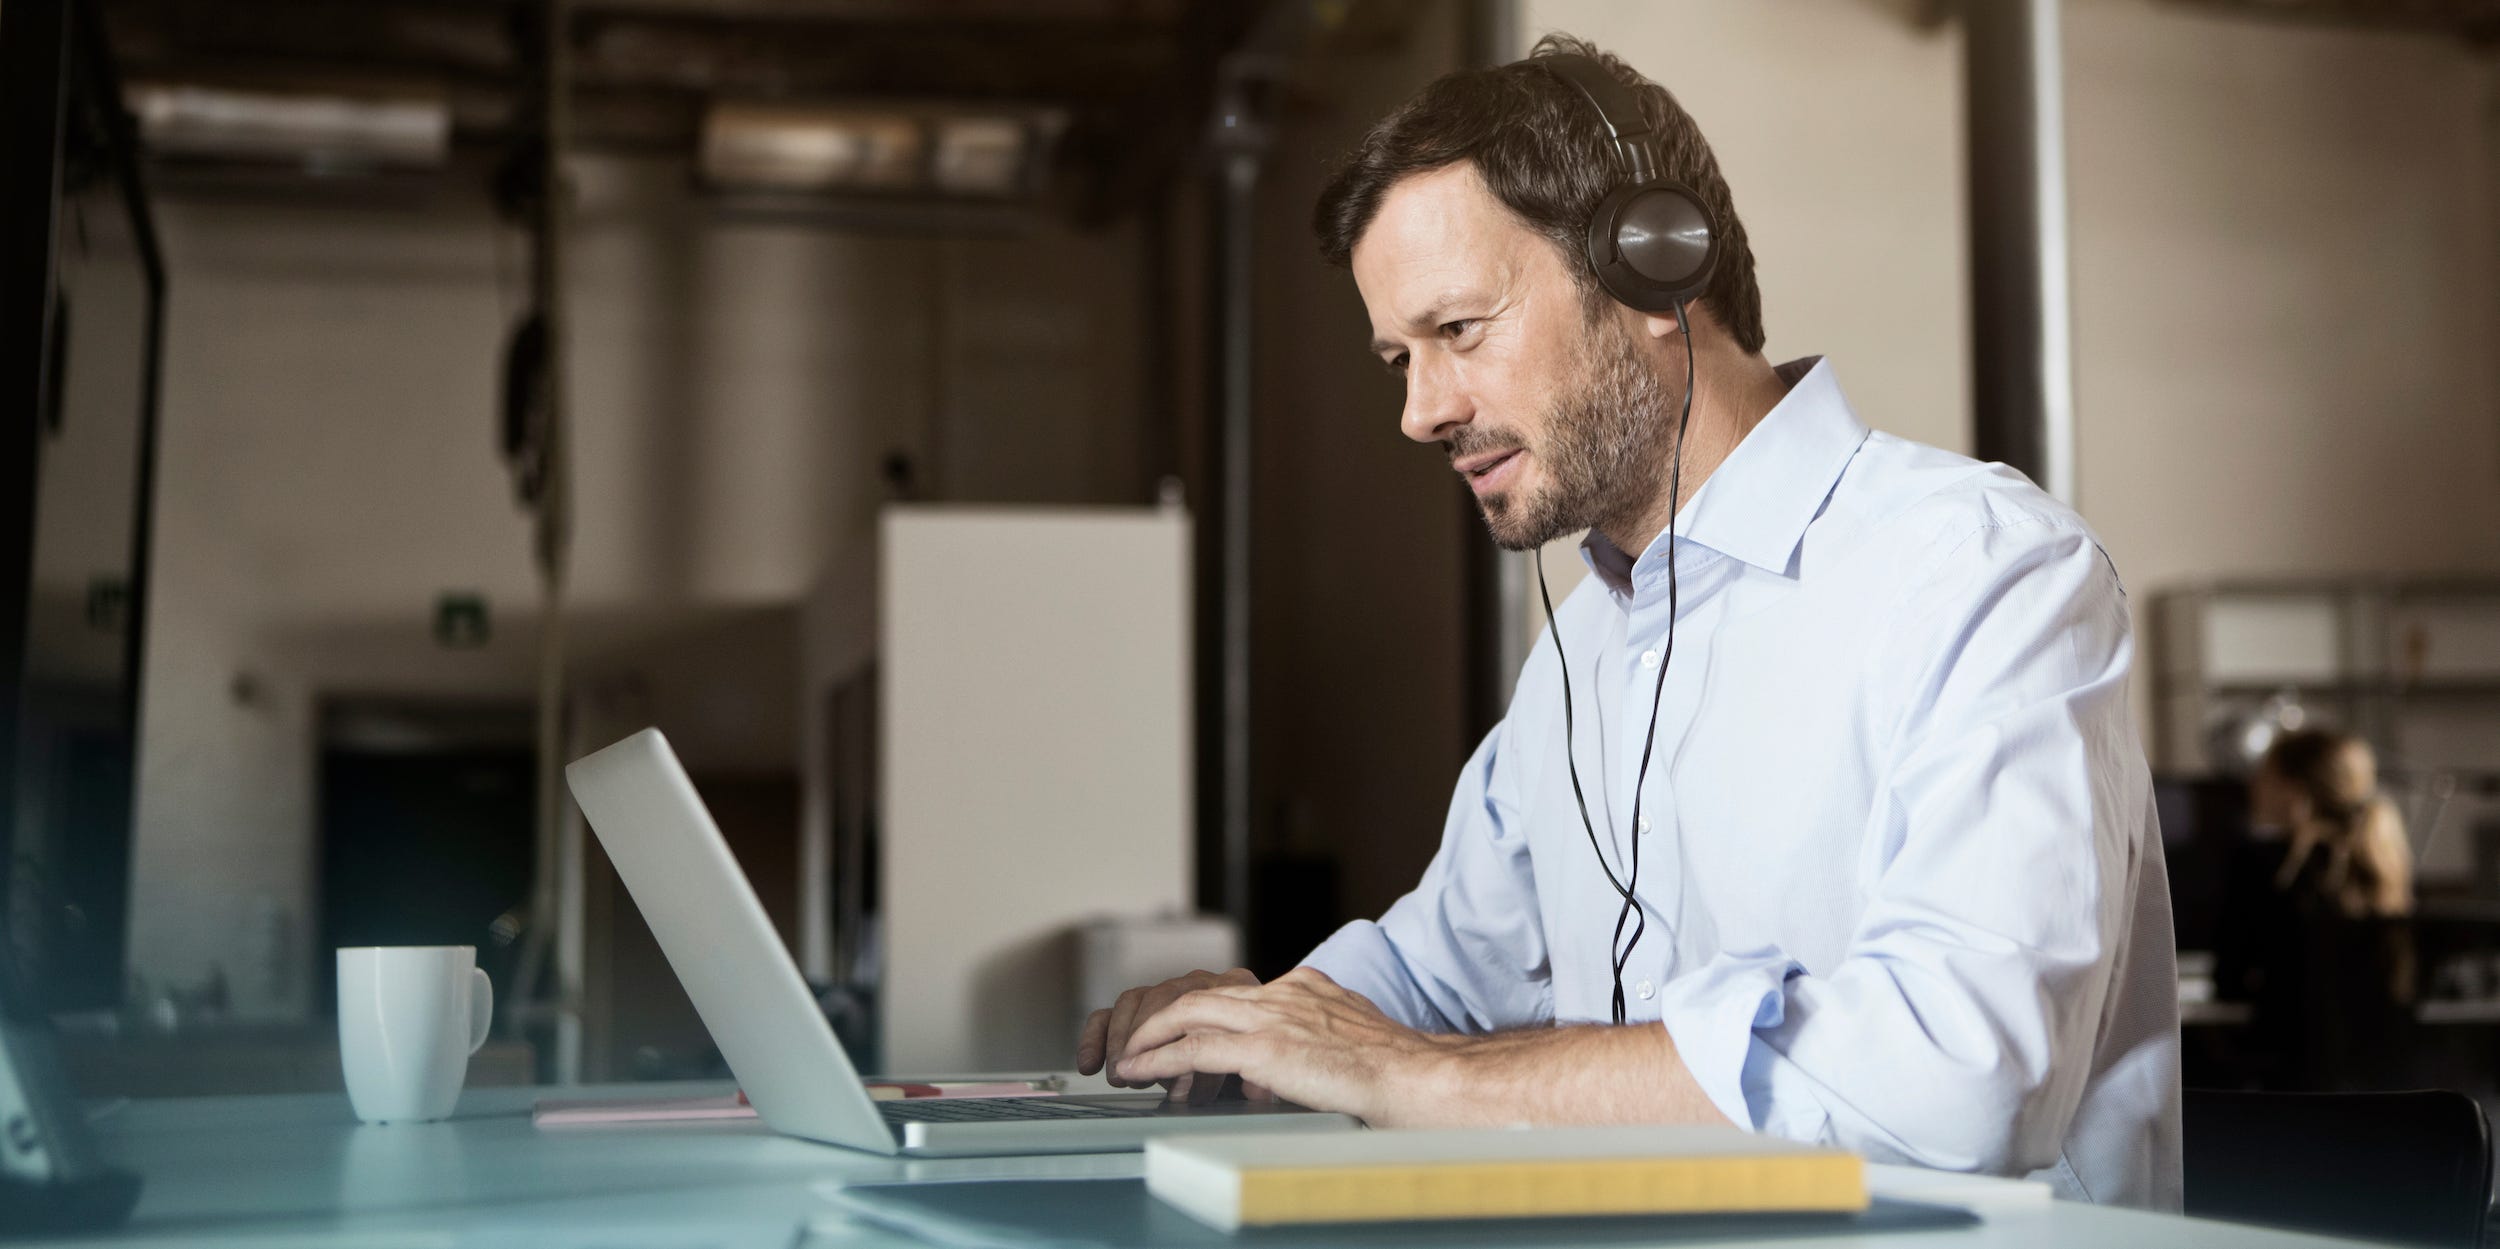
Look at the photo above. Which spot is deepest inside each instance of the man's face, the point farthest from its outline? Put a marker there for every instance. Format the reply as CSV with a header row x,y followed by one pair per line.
x,y
1552,413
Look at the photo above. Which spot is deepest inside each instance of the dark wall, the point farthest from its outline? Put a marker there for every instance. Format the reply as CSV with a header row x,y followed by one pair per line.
x,y
1363,538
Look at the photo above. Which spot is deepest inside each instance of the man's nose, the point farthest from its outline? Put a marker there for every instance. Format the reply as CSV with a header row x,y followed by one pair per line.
x,y
1434,404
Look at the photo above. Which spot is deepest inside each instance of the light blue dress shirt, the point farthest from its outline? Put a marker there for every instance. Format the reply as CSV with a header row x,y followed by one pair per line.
x,y
1902,876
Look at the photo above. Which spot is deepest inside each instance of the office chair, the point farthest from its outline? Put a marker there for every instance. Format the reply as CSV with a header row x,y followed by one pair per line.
x,y
2413,1168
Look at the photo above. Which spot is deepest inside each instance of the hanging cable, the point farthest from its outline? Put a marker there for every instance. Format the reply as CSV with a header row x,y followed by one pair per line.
x,y
1627,889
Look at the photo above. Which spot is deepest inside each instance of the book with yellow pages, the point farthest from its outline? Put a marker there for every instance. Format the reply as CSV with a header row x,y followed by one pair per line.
x,y
1232,1181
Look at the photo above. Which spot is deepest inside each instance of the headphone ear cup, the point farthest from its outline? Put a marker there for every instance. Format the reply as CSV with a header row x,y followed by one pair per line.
x,y
1652,245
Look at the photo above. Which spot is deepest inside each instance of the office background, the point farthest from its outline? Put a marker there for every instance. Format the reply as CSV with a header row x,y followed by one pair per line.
x,y
2285,263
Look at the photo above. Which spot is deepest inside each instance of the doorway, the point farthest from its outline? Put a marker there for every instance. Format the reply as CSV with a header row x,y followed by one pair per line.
x,y
426,829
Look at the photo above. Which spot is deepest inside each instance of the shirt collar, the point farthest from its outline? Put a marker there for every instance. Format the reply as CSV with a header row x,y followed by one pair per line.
x,y
1757,505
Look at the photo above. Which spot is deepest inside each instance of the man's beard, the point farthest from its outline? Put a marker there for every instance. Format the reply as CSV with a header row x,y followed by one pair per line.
x,y
1603,453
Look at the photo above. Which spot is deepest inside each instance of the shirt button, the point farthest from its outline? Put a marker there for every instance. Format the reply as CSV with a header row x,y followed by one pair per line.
x,y
1644,825
1646,990
1649,659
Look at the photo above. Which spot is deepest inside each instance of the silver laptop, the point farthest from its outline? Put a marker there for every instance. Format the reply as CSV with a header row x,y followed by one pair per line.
x,y
779,1046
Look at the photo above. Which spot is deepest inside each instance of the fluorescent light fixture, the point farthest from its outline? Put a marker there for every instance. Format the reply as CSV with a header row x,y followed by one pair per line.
x,y
770,147
198,121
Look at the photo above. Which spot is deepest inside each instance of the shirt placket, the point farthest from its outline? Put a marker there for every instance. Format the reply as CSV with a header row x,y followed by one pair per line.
x,y
1644,638
1658,829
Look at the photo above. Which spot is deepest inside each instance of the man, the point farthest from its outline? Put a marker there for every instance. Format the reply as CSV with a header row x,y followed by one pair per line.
x,y
1898,880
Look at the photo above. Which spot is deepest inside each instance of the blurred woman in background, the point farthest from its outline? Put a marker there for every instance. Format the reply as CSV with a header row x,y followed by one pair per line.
x,y
2344,844
2317,934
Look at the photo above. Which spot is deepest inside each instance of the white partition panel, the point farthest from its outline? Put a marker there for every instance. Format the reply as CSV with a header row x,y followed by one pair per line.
x,y
1036,771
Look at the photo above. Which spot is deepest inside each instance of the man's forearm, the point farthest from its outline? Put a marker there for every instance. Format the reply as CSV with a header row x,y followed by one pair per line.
x,y
1581,1074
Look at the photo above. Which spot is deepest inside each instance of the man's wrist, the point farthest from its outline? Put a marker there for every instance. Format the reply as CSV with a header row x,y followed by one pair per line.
x,y
1476,1080
1432,1074
1574,1074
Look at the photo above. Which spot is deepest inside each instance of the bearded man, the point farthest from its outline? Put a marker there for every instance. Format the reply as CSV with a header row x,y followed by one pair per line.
x,y
1818,808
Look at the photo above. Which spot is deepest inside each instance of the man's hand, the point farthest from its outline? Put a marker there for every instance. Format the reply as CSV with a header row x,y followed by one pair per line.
x,y
1311,1041
1107,1033
1302,1038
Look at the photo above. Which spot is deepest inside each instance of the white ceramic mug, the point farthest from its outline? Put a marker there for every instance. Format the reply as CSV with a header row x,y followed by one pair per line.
x,y
409,1017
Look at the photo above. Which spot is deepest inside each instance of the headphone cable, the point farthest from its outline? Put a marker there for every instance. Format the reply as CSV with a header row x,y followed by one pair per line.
x,y
1631,908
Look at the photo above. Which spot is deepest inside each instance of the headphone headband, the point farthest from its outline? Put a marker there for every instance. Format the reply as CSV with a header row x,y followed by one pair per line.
x,y
1626,125
1651,242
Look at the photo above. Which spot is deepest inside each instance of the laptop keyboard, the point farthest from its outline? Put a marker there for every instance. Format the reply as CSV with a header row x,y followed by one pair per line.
x,y
994,1110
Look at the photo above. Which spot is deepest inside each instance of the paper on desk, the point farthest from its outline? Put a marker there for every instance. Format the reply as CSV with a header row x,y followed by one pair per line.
x,y
1953,1188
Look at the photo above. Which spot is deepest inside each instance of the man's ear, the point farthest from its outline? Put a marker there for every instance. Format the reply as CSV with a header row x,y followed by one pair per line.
x,y
1662,325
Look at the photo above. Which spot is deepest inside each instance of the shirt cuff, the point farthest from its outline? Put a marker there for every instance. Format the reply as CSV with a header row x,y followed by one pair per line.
x,y
1360,957
1712,1016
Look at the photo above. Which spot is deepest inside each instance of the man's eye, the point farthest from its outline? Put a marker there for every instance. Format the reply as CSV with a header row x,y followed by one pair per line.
x,y
1459,328
1395,364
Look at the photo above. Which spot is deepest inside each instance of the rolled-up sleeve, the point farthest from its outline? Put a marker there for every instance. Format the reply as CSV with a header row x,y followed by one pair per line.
x,y
1957,1029
1465,951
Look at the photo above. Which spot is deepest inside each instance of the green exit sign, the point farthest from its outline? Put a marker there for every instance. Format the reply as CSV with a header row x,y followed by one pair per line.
x,y
461,621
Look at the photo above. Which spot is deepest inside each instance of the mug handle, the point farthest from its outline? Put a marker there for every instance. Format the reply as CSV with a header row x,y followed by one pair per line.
x,y
481,1007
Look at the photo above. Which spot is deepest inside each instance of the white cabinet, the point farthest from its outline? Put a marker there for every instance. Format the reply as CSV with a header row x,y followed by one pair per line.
x,y
1033,760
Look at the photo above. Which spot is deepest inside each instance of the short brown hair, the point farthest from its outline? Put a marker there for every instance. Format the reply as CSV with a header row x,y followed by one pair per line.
x,y
1542,150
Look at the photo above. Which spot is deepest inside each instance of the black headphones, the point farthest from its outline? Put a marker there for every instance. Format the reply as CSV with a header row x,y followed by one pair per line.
x,y
1651,241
